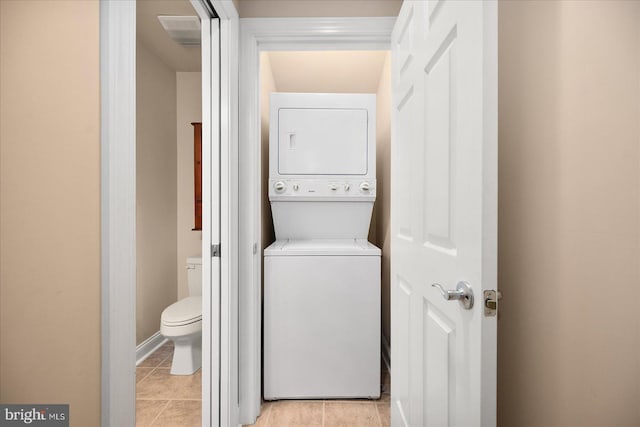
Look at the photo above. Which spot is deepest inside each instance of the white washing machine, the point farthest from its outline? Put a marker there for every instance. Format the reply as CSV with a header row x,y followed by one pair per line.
x,y
322,276
322,320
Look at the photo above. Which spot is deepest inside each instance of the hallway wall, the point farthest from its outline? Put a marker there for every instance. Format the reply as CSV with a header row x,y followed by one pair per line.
x,y
569,231
50,205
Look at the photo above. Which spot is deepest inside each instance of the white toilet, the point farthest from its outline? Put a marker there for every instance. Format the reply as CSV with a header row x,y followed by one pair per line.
x,y
181,322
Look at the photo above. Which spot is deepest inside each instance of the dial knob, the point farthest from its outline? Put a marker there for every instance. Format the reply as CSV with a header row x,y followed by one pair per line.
x,y
333,187
295,187
364,186
346,187
279,186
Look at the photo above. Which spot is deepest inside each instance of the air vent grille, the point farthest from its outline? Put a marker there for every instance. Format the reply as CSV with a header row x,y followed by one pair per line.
x,y
184,30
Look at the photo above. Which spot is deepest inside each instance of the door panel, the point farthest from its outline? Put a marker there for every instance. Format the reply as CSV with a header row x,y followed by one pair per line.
x,y
438,373
444,83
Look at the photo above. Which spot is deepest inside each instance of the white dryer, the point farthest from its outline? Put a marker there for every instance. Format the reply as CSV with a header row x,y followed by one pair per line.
x,y
322,276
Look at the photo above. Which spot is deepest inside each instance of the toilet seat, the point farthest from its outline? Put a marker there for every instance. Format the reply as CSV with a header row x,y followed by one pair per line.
x,y
182,313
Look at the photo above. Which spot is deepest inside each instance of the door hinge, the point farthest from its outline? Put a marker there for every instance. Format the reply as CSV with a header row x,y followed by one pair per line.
x,y
215,251
491,299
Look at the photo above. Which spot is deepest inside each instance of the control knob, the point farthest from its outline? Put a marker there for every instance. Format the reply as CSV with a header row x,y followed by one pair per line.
x,y
279,186
364,186
333,187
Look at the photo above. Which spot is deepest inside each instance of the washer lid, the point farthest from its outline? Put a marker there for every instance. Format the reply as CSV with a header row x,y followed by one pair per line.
x,y
322,247
183,312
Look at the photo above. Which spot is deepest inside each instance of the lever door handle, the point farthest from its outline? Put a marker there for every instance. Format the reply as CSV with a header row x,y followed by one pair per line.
x,y
463,293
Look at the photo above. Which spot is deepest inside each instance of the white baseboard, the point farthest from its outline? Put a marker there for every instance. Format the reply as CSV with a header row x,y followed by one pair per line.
x,y
386,352
148,346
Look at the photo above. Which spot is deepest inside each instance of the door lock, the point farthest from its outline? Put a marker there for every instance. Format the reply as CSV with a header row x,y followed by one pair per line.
x,y
491,299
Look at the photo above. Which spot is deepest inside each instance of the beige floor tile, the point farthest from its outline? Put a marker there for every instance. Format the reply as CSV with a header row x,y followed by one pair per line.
x,y
166,363
338,414
148,410
158,356
141,373
295,414
384,411
180,413
161,385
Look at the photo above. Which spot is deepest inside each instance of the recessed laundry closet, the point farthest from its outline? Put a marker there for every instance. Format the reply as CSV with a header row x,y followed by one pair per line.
x,y
325,180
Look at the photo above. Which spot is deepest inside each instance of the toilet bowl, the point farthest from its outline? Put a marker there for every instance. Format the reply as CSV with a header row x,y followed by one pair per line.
x,y
181,322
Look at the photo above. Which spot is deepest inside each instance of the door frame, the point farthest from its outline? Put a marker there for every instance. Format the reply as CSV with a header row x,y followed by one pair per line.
x,y
275,34
118,211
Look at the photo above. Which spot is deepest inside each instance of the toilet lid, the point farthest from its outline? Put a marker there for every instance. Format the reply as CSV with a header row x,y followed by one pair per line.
x,y
185,311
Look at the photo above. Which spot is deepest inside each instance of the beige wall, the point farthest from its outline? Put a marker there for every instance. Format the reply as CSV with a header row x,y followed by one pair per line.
x,y
189,87
569,347
267,86
156,206
302,8
50,205
382,237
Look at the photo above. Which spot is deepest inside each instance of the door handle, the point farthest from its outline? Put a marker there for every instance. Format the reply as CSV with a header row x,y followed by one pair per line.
x,y
463,293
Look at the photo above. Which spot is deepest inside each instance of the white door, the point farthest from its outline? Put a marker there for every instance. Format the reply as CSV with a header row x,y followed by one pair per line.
x,y
210,222
444,212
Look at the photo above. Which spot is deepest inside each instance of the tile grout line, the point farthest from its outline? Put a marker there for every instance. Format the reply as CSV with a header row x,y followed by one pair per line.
x,y
145,377
152,399
159,413
375,405
324,403
266,421
153,368
142,379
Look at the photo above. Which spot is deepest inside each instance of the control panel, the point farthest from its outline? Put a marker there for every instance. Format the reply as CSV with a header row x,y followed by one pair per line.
x,y
361,189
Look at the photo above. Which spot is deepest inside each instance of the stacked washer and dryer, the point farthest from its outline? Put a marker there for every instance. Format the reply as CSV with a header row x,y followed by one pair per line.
x,y
321,275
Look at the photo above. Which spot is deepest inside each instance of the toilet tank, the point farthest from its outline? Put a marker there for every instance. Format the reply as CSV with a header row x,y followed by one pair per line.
x,y
194,276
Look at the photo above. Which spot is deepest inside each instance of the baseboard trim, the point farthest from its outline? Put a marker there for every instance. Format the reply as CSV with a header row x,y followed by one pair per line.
x,y
148,346
386,352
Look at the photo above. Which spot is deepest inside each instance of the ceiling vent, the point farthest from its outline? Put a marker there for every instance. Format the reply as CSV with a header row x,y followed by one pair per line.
x,y
184,30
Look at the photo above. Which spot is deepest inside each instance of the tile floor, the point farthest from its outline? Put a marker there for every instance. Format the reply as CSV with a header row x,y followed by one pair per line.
x,y
329,413
164,400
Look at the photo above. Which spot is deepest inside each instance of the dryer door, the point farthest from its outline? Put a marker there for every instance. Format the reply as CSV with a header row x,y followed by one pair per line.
x,y
319,141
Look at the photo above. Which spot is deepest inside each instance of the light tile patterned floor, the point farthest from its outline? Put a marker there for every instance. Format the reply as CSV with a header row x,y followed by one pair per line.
x,y
165,400
329,413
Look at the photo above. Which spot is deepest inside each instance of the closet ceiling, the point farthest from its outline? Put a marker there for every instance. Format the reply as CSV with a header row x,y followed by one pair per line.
x,y
327,71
